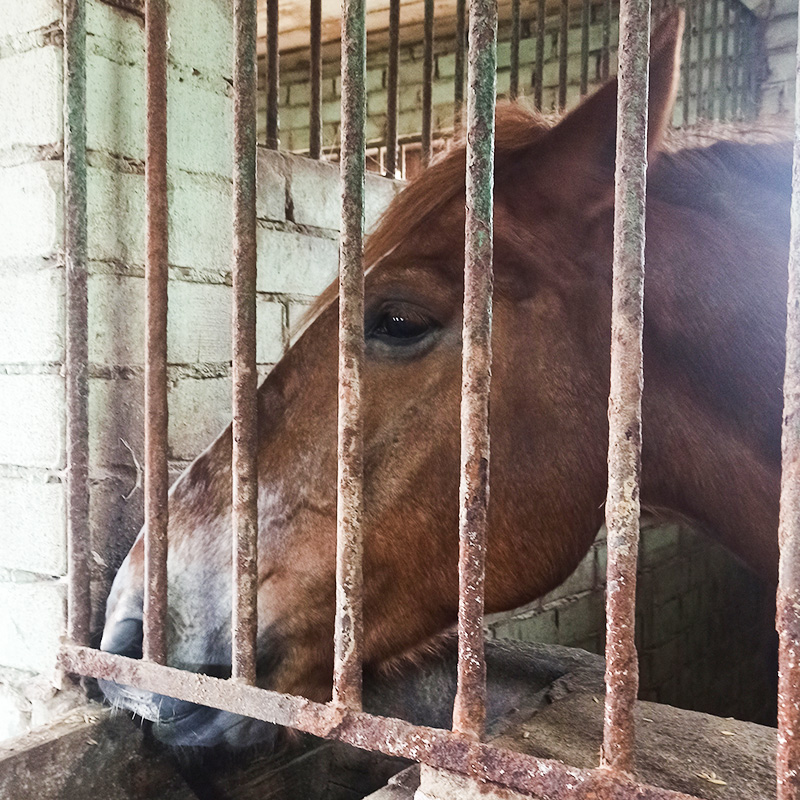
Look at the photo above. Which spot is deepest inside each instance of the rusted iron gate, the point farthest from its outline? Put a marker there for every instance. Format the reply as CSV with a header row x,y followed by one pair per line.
x,y
461,749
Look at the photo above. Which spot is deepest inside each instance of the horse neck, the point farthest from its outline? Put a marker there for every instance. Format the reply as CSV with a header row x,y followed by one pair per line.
x,y
714,333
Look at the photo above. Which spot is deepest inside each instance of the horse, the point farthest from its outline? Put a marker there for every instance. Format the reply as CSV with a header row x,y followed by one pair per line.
x,y
716,255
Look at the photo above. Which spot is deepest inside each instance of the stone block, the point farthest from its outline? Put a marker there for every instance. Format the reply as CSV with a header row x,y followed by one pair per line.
x,y
541,627
31,84
380,192
30,16
31,332
31,208
116,433
116,204
32,408
291,263
315,193
33,533
269,331
116,320
200,125
658,544
271,170
115,107
32,622
201,37
581,580
199,323
298,313
200,409
116,515
579,619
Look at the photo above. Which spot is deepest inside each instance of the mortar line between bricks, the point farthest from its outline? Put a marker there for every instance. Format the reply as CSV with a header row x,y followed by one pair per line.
x,y
41,475
27,41
41,368
20,155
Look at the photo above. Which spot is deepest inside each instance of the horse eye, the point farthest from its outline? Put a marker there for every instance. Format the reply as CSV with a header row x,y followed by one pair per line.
x,y
401,327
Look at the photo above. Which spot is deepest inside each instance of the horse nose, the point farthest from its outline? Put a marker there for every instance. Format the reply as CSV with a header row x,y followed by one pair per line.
x,y
124,638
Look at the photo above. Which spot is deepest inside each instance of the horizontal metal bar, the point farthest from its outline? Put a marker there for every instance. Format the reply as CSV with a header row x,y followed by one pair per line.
x,y
395,737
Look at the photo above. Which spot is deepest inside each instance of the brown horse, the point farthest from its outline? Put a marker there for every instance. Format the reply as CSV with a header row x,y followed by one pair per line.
x,y
717,249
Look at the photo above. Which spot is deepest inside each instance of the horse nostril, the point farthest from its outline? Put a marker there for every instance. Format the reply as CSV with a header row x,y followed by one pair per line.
x,y
124,639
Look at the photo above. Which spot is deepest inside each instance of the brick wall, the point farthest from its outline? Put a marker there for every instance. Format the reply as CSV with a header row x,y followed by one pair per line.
x,y
298,220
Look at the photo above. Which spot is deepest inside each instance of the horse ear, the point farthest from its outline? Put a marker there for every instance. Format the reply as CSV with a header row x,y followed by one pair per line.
x,y
582,146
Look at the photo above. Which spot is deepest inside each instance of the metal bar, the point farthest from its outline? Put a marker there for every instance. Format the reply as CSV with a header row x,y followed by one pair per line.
x,y
439,748
736,99
273,74
563,41
725,60
713,86
245,379
349,548
392,77
156,478
513,83
788,597
625,398
701,57
686,64
458,79
469,712
427,85
76,353
605,52
315,66
538,75
585,20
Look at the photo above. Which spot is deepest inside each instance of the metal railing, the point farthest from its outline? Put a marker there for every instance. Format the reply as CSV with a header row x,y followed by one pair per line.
x,y
461,749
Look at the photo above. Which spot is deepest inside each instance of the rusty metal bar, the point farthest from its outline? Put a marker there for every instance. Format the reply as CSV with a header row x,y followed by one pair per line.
x,y
245,379
585,20
349,548
725,60
427,85
76,353
701,57
713,87
563,47
686,63
513,84
605,51
438,748
625,398
315,67
788,597
392,77
469,712
458,79
156,478
273,74
538,74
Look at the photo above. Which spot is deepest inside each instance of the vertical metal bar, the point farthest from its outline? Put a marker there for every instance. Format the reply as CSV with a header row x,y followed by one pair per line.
x,y
686,64
625,398
788,598
458,79
713,86
427,85
245,379
701,57
541,12
513,87
563,40
585,20
605,53
469,712
736,99
156,478
77,325
273,74
349,548
748,65
725,60
392,77
315,109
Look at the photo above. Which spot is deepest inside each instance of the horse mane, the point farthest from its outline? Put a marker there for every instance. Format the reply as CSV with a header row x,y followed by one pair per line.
x,y
709,153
